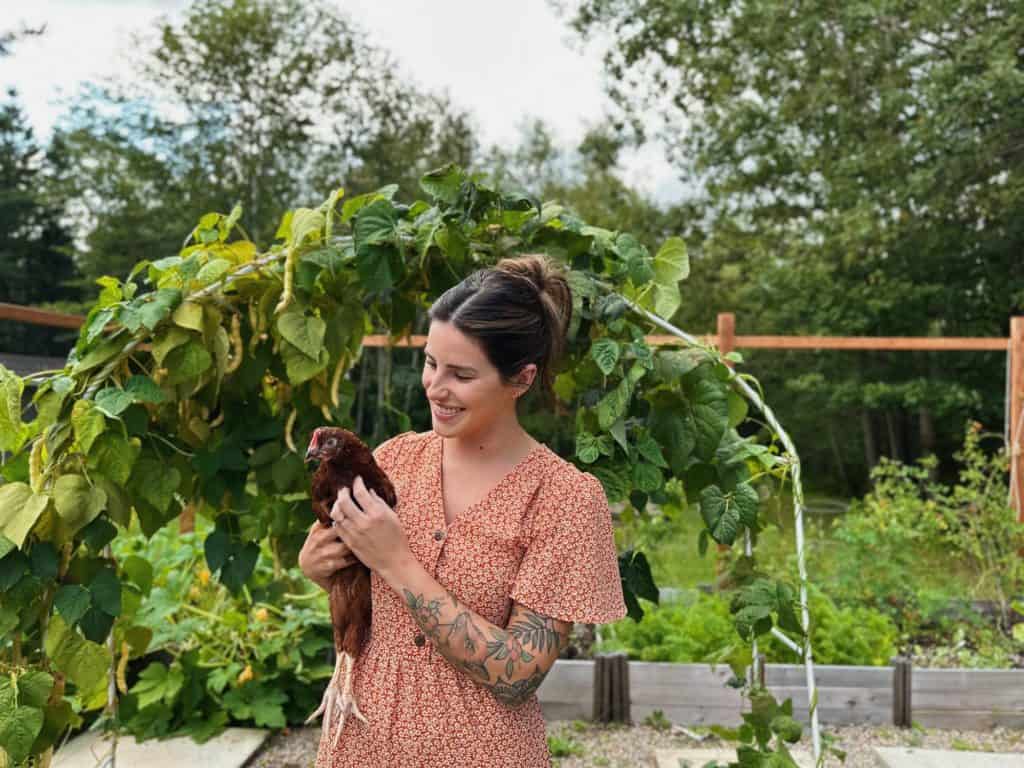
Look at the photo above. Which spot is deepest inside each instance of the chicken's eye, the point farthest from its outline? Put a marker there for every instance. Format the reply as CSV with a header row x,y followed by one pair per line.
x,y
330,442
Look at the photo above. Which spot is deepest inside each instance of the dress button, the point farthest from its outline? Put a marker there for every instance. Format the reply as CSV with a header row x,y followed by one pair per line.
x,y
419,640
438,535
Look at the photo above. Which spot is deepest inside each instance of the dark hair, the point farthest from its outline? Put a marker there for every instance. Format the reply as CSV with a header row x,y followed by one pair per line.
x,y
518,310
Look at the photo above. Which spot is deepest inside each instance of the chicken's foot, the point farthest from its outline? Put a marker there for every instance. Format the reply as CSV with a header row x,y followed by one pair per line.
x,y
338,698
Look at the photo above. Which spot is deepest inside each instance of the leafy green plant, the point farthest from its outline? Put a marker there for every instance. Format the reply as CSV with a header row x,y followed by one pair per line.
x,y
917,548
699,628
658,721
256,658
195,379
564,746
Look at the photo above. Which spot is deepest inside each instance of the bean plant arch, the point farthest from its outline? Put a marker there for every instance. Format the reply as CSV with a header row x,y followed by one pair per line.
x,y
197,379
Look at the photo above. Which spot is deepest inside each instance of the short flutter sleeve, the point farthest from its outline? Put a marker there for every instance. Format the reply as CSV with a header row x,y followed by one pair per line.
x,y
387,453
570,569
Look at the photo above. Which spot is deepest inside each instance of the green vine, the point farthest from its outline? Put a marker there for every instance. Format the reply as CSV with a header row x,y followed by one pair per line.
x,y
194,379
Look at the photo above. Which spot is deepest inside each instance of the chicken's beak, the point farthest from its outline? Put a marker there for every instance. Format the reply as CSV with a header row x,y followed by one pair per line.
x,y
312,455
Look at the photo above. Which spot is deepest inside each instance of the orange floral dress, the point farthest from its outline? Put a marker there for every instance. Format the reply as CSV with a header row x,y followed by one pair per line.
x,y
542,537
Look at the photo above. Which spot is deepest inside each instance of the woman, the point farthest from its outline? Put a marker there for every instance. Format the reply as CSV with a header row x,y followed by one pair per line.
x,y
495,547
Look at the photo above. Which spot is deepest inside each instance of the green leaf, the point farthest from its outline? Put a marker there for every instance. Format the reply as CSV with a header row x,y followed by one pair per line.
x,y
671,264
737,408
209,273
114,456
299,366
190,314
375,224
77,502
34,688
586,448
20,508
84,662
169,339
158,684
139,572
187,362
155,482
18,730
710,408
636,576
650,450
98,355
721,517
44,560
616,486
443,183
12,432
647,477
112,401
144,390
105,590
87,422
673,364
605,353
305,222
305,332
354,205
159,307
613,405
72,601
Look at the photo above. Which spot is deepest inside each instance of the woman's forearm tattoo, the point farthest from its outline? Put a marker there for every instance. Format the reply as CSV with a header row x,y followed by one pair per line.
x,y
497,658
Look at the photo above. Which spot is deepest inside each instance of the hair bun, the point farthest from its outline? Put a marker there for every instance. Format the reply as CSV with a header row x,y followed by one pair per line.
x,y
548,279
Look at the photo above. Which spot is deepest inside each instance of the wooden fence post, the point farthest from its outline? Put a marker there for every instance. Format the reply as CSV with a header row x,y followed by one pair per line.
x,y
902,701
1016,363
611,688
726,333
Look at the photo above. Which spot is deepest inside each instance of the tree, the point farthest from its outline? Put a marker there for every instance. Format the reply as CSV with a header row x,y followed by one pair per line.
x,y
35,263
252,101
862,166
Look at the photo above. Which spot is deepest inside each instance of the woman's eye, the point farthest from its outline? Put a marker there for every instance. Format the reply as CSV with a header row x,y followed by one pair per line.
x,y
459,376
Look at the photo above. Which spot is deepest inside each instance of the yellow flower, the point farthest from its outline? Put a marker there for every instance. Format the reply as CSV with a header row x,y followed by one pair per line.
x,y
194,593
246,675
261,614
204,577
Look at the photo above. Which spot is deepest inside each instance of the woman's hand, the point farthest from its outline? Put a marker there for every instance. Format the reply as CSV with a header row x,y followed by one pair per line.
x,y
373,533
323,554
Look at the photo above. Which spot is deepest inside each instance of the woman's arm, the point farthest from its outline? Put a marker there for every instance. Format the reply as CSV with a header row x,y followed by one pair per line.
x,y
512,662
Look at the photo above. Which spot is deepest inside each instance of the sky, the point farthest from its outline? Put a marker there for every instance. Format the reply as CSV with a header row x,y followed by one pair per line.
x,y
504,62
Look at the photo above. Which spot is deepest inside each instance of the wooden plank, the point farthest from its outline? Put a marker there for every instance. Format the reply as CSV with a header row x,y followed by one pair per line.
x,y
935,344
841,706
690,714
830,675
959,679
35,316
567,691
965,719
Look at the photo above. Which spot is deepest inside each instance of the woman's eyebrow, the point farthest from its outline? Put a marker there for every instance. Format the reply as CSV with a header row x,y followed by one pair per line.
x,y
467,368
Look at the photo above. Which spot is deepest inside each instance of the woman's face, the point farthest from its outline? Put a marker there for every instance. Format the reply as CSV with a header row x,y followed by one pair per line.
x,y
466,393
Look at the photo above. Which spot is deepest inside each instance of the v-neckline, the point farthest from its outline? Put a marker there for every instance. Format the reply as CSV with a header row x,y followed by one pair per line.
x,y
490,492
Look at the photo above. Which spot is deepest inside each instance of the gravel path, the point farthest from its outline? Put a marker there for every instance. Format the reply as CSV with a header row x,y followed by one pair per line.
x,y
628,747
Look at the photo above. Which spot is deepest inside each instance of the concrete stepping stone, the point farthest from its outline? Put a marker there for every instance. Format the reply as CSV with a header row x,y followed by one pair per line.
x,y
229,750
697,758
911,757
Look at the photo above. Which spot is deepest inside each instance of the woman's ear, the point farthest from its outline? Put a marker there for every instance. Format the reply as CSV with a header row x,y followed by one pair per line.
x,y
524,379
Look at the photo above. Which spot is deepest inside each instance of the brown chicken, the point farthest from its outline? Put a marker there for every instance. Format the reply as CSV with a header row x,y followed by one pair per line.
x,y
342,457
